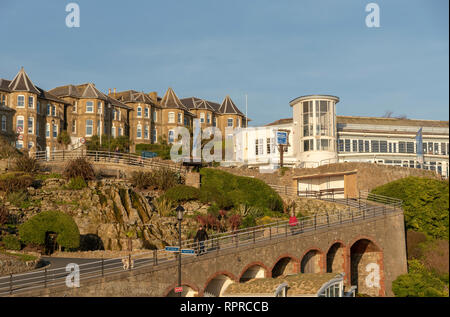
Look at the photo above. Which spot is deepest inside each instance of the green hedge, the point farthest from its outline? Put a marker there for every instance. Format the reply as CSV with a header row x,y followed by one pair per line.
x,y
425,202
182,193
34,230
228,190
163,150
11,242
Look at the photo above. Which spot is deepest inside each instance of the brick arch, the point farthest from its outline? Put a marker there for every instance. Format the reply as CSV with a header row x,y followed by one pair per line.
x,y
255,264
295,260
183,283
355,260
322,260
345,250
212,277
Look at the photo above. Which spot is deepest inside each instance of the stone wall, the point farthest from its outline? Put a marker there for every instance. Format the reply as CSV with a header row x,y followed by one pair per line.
x,y
369,175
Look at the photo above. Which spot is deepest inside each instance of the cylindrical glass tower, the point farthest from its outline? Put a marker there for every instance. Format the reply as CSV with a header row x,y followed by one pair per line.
x,y
315,129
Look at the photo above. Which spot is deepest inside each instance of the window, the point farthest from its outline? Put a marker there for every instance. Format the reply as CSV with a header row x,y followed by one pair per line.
x,y
49,110
55,131
154,136
146,135
113,131
409,147
325,144
383,146
171,117
375,145
120,131
154,115
53,110
442,148
4,100
366,146
20,101
395,147
3,123
74,108
208,118
390,147
47,130
347,145
308,114
89,107
202,117
146,112
401,147
20,123
214,121
99,125
171,136
341,145
259,146
89,127
360,146
180,118
186,121
268,146
230,122
308,145
30,102
354,145
99,107
38,107
139,131
436,148
74,126
19,144
31,125
37,127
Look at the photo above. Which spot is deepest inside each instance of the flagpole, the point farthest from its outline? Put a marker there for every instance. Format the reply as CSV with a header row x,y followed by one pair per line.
x,y
246,119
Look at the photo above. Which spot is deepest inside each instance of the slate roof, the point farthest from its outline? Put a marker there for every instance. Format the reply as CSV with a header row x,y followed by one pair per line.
x,y
197,103
171,100
86,91
299,285
134,96
4,83
228,107
22,83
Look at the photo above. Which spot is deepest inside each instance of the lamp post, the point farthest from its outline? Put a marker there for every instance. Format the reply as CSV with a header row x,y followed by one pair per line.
x,y
179,211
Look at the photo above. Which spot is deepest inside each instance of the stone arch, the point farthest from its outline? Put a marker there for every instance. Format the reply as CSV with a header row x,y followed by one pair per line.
x,y
336,258
218,283
312,261
252,271
285,264
367,266
189,290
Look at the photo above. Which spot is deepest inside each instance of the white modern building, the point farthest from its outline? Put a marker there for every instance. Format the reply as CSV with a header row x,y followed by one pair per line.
x,y
318,136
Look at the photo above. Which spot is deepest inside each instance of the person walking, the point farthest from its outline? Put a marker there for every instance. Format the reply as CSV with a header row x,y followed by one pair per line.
x,y
293,223
200,237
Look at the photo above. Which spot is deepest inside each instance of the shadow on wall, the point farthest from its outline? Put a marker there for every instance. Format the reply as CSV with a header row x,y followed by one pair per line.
x,y
91,242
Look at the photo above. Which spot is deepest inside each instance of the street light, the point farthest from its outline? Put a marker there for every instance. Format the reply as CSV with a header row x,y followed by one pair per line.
x,y
179,211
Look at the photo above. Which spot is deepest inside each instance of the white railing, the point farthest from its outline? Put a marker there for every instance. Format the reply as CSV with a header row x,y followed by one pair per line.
x,y
128,159
357,211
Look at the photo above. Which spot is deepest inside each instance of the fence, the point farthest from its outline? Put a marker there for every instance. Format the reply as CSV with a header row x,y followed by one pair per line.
x,y
128,159
367,206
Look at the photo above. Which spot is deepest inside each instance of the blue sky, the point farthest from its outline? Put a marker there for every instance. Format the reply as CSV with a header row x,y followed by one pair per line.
x,y
274,51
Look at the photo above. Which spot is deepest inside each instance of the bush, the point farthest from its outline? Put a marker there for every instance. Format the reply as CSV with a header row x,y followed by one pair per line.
x,y
141,180
420,282
162,178
182,193
76,183
425,202
25,164
6,150
163,206
18,198
162,150
12,243
34,230
79,167
64,138
229,190
12,182
4,215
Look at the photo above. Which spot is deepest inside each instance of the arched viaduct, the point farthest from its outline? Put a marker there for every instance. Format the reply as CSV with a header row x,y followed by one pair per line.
x,y
371,253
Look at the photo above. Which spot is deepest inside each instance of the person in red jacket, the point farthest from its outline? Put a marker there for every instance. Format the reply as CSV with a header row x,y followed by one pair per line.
x,y
293,223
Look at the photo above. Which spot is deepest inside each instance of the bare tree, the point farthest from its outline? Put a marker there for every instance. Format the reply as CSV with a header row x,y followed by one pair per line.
x,y
388,114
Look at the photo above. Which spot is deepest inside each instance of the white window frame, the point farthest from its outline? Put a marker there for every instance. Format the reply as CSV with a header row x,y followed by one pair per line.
x,y
99,107
90,107
139,112
146,132
18,101
53,111
32,103
171,132
139,131
91,126
113,131
47,130
208,118
75,106
180,118
228,122
55,131
155,116
202,117
171,117
147,112
32,125
49,109
21,118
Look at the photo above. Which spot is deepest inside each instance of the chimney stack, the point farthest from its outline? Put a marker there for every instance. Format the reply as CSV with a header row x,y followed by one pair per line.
x,y
114,92
153,95
109,91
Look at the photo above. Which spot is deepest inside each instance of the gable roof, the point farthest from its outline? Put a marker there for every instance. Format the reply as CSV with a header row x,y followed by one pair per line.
x,y
171,100
22,83
134,96
228,107
66,91
197,103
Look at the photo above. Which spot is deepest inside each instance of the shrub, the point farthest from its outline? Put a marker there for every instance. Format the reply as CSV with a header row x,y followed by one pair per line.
x,y
229,190
234,221
11,242
76,183
141,180
420,282
248,222
17,198
64,138
163,206
35,229
79,167
162,150
425,202
182,193
12,182
162,178
4,215
25,164
6,150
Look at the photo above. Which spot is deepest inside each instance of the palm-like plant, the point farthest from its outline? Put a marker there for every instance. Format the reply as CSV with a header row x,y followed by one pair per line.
x,y
163,206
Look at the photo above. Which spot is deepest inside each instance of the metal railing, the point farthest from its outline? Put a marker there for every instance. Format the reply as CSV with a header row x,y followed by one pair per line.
x,y
128,159
358,210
